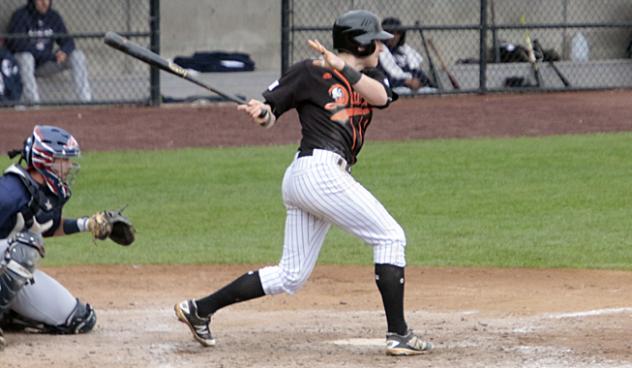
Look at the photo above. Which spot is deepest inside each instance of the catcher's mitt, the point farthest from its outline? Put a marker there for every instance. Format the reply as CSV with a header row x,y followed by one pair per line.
x,y
112,224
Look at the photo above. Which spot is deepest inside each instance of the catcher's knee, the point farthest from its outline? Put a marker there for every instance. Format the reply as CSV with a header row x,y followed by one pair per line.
x,y
17,265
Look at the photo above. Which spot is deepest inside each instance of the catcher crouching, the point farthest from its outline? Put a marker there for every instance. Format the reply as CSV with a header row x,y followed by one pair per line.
x,y
32,198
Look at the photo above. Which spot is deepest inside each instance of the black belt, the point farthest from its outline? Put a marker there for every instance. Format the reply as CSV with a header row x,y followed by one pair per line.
x,y
305,153
310,151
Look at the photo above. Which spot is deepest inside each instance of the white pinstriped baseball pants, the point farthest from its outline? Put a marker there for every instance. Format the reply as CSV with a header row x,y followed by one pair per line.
x,y
319,192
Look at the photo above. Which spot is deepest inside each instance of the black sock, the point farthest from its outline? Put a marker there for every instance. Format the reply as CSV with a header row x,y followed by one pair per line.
x,y
390,282
246,287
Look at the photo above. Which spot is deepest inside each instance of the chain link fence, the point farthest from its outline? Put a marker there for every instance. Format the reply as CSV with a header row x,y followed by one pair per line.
x,y
112,76
482,44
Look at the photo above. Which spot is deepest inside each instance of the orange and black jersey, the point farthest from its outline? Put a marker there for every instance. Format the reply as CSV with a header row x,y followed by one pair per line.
x,y
333,116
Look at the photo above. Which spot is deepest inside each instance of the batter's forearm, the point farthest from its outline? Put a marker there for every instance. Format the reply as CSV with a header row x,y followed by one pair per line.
x,y
372,91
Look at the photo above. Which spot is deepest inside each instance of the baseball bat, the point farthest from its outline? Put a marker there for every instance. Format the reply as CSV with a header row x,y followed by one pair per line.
x,y
431,65
559,73
495,45
531,53
453,81
124,45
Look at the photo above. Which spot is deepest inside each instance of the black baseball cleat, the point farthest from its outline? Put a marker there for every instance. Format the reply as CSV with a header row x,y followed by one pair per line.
x,y
186,311
3,342
409,344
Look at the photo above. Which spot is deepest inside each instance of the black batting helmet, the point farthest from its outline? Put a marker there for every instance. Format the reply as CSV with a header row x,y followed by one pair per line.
x,y
356,32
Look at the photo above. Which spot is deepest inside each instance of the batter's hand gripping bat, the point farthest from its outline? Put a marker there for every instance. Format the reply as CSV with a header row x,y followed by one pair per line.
x,y
128,47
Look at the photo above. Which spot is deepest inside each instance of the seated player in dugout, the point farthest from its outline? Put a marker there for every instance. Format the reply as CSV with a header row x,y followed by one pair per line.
x,y
32,198
37,55
401,63
334,97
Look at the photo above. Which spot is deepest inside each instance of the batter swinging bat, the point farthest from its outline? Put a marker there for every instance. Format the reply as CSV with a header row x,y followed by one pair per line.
x,y
122,44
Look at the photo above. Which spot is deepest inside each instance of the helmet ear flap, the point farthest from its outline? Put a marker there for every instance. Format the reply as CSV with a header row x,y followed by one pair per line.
x,y
367,50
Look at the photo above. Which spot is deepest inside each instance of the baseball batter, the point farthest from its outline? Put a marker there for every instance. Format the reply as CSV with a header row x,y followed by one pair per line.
x,y
334,97
31,203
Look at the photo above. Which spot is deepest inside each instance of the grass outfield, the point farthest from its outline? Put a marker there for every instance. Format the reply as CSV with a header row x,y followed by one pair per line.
x,y
560,201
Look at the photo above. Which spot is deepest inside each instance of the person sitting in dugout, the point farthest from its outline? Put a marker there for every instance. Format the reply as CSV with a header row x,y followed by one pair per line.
x,y
401,63
37,55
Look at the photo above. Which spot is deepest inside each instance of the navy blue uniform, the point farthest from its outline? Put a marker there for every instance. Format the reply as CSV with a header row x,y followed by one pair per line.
x,y
27,20
15,197
45,302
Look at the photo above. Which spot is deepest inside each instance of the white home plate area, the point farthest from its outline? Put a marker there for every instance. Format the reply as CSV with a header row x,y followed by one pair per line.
x,y
359,342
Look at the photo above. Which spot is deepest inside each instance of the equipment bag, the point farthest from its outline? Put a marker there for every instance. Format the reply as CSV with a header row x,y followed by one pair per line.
x,y
217,61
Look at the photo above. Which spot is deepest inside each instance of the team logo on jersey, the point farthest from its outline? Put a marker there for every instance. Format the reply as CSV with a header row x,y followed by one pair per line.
x,y
339,94
340,110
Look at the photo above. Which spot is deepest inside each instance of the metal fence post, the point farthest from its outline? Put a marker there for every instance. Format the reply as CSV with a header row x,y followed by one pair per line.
x,y
154,26
285,35
483,49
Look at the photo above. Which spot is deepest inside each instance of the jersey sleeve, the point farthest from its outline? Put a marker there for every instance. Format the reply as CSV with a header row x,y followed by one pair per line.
x,y
285,93
392,70
379,76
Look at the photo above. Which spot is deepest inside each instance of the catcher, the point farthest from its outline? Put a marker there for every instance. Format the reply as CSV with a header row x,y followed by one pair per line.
x,y
31,203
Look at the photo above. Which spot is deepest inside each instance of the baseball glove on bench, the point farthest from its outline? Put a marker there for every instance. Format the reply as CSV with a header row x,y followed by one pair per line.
x,y
112,224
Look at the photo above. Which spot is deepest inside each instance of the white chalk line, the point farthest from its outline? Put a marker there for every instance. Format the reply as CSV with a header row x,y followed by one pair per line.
x,y
589,313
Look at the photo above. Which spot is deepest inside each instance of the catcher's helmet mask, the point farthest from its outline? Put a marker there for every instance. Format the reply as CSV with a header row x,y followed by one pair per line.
x,y
356,32
49,150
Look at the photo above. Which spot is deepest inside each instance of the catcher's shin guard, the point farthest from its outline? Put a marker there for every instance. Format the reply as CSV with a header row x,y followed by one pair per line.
x,y
17,265
82,319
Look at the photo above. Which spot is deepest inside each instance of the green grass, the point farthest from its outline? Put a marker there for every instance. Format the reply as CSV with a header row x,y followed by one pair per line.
x,y
530,202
